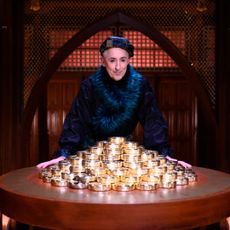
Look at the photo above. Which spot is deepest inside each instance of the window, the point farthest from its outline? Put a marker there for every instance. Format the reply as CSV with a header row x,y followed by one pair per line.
x,y
147,54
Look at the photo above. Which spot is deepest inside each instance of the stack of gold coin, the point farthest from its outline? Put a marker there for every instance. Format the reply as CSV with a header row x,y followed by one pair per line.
x,y
117,140
75,184
64,166
168,180
59,182
120,165
147,186
123,187
192,177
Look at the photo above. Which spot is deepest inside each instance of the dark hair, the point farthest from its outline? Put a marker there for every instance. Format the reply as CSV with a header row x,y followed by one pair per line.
x,y
117,42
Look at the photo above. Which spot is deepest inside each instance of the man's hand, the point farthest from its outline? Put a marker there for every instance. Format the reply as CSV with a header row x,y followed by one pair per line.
x,y
51,162
184,164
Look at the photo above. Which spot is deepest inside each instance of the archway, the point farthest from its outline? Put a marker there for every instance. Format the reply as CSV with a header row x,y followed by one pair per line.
x,y
79,38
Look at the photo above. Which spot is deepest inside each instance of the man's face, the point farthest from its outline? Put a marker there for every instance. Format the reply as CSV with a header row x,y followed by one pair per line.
x,y
116,61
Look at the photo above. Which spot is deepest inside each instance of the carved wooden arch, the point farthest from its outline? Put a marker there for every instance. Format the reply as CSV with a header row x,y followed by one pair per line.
x,y
118,18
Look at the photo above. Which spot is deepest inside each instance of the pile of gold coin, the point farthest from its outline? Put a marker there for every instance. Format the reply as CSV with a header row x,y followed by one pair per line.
x,y
119,165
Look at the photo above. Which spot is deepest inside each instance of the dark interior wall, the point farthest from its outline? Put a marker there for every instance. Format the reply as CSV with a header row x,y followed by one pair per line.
x,y
223,83
11,87
11,67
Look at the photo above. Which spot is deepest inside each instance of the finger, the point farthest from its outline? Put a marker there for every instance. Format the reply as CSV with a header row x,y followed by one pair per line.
x,y
43,165
184,164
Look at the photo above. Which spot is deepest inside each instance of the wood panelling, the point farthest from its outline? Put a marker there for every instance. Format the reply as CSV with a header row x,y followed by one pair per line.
x,y
179,106
61,93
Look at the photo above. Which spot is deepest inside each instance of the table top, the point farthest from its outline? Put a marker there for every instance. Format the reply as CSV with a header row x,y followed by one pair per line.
x,y
201,203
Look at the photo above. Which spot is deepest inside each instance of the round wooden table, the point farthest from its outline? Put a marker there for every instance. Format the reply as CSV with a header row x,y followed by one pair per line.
x,y
25,198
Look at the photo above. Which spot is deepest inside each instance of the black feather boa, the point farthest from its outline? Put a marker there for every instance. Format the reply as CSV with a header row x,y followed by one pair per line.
x,y
119,100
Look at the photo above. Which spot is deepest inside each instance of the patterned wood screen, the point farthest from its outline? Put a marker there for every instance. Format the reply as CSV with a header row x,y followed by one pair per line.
x,y
191,30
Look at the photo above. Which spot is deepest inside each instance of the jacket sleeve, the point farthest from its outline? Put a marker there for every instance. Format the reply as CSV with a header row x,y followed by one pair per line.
x,y
76,125
154,125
